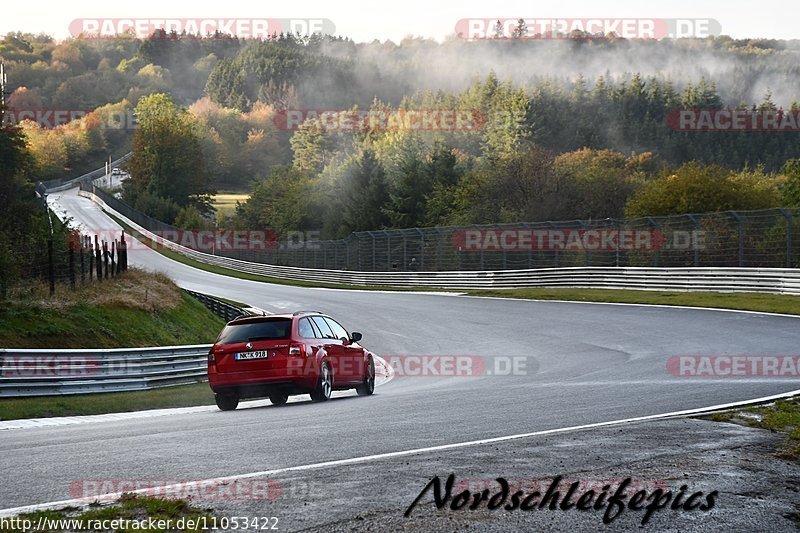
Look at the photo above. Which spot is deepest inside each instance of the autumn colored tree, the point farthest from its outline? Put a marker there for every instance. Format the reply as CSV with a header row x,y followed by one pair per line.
x,y
698,188
167,161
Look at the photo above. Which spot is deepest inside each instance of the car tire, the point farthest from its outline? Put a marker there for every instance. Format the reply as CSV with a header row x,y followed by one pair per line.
x,y
324,387
278,399
226,402
367,387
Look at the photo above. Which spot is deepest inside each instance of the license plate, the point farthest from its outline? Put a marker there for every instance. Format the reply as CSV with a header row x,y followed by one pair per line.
x,y
244,356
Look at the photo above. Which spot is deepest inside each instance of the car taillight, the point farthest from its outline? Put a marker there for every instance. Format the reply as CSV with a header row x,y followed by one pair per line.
x,y
295,350
211,356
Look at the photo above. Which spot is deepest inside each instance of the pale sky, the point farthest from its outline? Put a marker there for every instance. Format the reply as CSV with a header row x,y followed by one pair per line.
x,y
368,20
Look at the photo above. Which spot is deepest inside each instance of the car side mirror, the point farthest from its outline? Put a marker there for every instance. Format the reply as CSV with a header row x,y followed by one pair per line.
x,y
355,336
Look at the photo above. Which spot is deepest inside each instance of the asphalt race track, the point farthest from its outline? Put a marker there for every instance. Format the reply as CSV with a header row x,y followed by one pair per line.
x,y
587,363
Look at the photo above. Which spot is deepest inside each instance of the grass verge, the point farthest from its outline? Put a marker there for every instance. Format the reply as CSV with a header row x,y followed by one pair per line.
x,y
782,416
225,202
174,515
135,309
745,301
112,402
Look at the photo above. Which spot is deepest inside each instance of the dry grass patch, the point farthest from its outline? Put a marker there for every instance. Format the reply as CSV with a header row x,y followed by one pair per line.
x,y
133,289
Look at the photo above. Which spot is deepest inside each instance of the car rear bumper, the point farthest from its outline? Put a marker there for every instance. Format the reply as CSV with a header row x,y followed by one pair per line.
x,y
259,384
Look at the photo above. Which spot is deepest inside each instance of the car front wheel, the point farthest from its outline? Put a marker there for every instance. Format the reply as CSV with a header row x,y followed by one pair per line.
x,y
367,387
322,392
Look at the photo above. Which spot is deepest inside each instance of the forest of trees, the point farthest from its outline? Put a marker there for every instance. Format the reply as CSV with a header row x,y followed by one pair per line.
x,y
574,128
25,230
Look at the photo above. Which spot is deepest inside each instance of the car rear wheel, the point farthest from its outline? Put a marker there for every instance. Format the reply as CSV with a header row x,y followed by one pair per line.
x,y
324,387
367,387
226,402
278,399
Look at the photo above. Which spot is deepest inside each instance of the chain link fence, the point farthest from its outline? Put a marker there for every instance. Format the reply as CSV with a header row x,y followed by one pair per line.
x,y
768,238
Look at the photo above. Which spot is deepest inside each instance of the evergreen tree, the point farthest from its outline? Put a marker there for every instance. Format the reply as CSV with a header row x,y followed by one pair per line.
x,y
365,195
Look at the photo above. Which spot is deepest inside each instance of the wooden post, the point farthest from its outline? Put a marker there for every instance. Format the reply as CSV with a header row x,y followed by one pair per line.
x,y
90,257
82,253
124,255
113,263
98,260
105,258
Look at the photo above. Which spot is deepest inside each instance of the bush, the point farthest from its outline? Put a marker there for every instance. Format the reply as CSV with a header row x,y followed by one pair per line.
x,y
699,188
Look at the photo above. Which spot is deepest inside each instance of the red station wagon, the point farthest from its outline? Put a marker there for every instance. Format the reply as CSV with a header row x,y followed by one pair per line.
x,y
284,354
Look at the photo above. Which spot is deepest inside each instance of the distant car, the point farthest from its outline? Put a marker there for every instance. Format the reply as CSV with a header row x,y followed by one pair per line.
x,y
286,354
116,171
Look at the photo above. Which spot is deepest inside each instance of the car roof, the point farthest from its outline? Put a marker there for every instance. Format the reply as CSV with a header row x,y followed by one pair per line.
x,y
249,319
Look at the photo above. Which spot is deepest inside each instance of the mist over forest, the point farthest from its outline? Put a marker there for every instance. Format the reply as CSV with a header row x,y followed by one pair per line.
x,y
575,127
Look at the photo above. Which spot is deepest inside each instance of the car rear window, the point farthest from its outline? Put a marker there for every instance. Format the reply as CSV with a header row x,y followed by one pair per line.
x,y
272,329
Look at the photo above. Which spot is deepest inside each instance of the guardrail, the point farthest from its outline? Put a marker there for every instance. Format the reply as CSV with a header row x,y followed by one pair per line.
x,y
58,185
762,238
45,372
769,280
224,310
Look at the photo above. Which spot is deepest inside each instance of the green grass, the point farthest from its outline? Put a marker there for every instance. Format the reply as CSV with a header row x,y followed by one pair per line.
x,y
128,507
135,309
84,324
769,303
112,402
225,203
747,301
782,416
